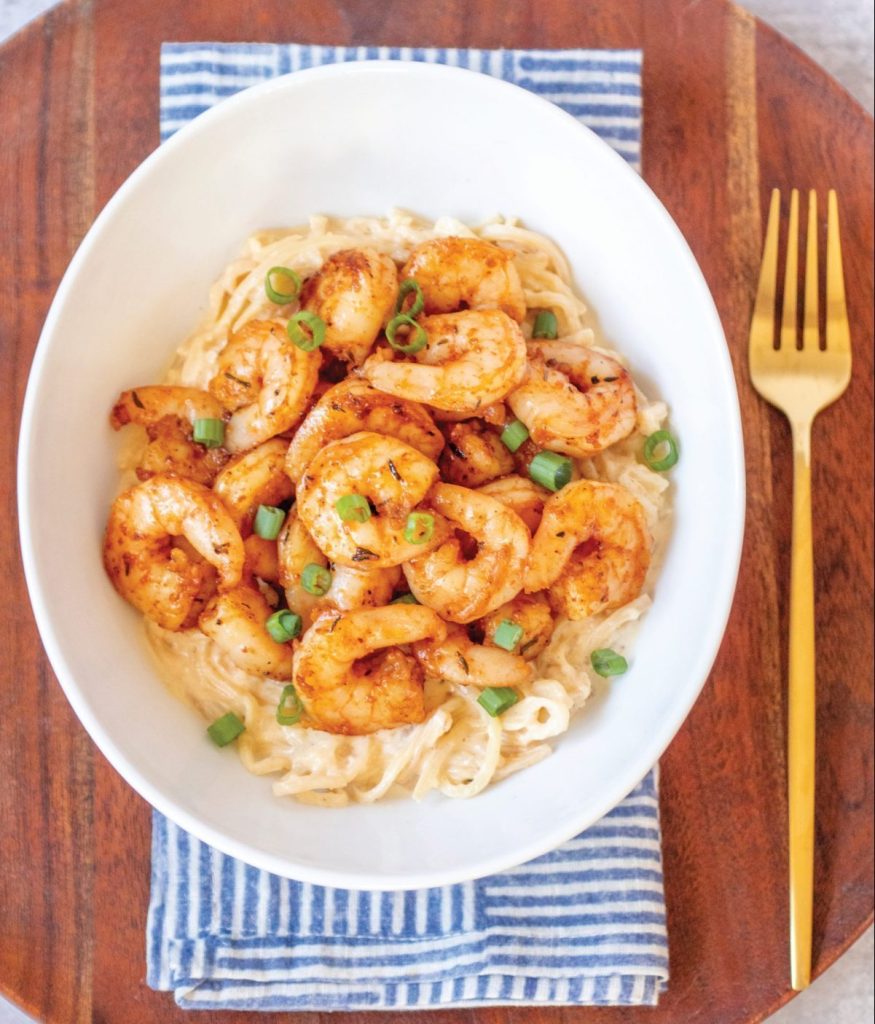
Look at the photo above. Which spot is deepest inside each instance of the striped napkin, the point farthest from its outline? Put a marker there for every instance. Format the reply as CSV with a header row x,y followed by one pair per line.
x,y
582,925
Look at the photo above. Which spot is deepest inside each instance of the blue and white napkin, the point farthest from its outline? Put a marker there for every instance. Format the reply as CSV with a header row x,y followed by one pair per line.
x,y
582,925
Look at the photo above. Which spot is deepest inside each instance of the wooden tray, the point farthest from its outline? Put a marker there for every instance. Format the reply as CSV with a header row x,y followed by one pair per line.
x,y
731,110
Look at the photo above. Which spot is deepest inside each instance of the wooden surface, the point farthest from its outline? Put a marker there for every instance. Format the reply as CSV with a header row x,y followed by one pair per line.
x,y
731,109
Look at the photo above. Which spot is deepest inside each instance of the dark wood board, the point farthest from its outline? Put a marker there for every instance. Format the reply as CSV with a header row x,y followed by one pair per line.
x,y
731,109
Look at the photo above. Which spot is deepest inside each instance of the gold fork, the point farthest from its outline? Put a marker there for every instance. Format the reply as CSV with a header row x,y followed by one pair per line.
x,y
800,381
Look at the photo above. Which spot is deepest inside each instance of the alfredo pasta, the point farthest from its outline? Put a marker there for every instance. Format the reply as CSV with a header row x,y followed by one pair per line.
x,y
392,507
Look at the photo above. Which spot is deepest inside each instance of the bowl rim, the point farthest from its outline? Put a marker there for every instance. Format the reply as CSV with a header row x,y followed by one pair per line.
x,y
707,646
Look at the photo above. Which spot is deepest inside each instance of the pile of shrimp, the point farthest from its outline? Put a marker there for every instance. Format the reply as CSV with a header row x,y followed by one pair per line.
x,y
362,387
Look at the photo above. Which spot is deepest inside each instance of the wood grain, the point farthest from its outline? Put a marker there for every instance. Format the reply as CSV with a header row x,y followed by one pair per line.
x,y
731,109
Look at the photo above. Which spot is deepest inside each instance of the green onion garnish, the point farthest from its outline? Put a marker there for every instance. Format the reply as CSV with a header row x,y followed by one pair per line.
x,y
514,434
283,626
282,298
209,433
550,470
407,286
608,663
225,729
495,700
353,508
419,528
546,325
290,708
268,521
662,439
316,579
417,334
404,599
508,634
306,342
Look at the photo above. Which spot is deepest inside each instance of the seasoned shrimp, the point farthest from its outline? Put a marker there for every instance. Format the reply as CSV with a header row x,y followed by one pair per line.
x,y
256,478
466,273
265,380
262,559
235,620
529,611
474,455
354,294
159,579
352,677
351,587
461,661
472,359
592,549
354,405
575,400
391,476
524,496
463,590
168,414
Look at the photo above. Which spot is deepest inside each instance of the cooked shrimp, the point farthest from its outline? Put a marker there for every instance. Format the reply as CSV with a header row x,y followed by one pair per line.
x,y
459,660
391,476
262,559
575,400
354,294
495,414
524,496
168,414
474,455
352,677
361,587
256,478
592,549
265,380
463,590
529,611
235,620
472,359
296,549
354,405
161,580
466,273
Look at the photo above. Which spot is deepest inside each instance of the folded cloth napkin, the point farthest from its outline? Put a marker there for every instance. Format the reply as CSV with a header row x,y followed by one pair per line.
x,y
584,924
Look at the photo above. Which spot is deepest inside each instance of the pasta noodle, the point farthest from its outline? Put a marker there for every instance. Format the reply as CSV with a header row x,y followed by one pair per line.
x,y
459,749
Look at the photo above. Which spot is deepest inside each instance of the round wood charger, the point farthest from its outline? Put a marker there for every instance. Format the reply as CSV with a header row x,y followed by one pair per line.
x,y
731,110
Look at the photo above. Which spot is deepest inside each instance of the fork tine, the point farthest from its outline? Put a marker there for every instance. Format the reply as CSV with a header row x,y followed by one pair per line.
x,y
811,329
762,326
790,316
838,333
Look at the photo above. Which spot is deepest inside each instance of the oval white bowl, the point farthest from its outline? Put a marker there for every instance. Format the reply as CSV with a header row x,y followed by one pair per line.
x,y
338,140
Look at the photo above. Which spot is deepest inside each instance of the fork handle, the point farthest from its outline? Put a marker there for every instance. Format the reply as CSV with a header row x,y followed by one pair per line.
x,y
801,714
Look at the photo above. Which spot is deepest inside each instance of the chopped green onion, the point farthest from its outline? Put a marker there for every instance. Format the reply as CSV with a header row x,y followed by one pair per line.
x,y
283,626
514,434
316,579
661,439
420,338
546,325
550,470
508,634
268,521
404,599
407,286
495,700
210,433
225,729
290,708
306,342
608,663
282,298
419,528
353,508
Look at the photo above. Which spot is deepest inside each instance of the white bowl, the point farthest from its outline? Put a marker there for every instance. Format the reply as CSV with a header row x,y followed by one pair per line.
x,y
360,139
